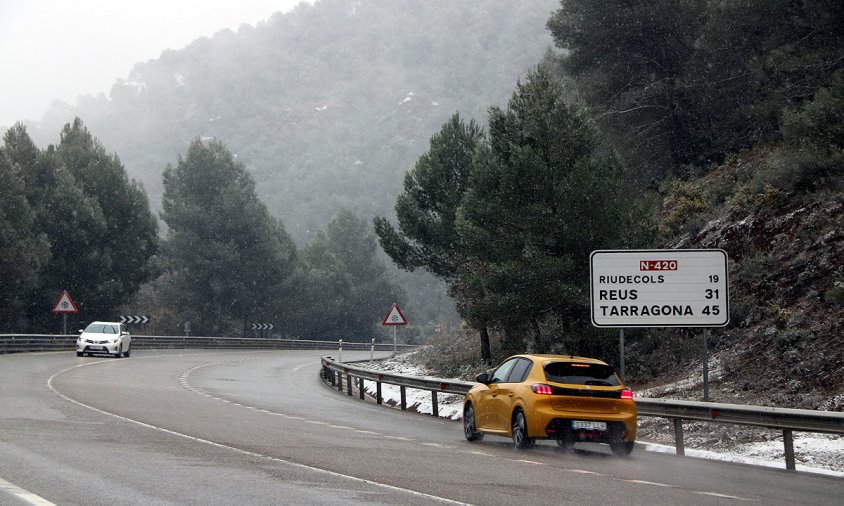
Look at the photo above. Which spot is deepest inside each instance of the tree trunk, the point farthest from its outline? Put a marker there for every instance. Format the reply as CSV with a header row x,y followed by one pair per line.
x,y
537,336
485,352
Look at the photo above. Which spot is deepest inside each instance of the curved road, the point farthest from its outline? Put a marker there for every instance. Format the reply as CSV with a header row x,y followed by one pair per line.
x,y
229,427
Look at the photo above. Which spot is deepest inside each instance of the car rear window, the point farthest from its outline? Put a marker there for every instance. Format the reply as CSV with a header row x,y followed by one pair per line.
x,y
577,373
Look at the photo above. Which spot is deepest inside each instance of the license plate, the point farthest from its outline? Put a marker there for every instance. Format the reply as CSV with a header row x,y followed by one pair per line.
x,y
583,424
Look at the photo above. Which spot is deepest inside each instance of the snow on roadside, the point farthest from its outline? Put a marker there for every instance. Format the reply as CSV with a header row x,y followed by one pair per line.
x,y
816,453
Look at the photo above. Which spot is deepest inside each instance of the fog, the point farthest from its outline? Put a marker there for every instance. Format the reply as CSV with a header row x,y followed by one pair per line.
x,y
57,50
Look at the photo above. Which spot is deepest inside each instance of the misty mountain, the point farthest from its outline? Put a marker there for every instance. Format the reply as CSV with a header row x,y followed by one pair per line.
x,y
327,105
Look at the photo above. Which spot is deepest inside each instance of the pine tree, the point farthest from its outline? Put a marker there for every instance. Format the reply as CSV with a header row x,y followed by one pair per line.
x,y
130,235
427,212
228,259
23,250
351,286
628,59
541,197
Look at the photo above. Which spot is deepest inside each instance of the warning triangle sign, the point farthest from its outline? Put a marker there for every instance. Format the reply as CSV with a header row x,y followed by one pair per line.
x,y
65,304
395,317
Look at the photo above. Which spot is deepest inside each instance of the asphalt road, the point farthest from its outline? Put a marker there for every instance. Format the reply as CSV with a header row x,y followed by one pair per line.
x,y
228,427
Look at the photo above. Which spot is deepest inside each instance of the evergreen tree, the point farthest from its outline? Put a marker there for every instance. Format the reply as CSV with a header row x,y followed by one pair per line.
x,y
228,259
23,251
541,197
352,288
427,210
628,59
72,223
87,218
129,238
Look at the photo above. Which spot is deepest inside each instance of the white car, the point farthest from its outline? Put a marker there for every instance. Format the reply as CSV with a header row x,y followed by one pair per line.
x,y
110,338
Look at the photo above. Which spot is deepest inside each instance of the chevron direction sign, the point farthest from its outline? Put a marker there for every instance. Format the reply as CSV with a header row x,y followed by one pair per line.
x,y
134,319
262,326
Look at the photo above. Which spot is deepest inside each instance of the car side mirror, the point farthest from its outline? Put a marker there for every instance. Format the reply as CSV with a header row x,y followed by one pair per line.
x,y
80,331
483,378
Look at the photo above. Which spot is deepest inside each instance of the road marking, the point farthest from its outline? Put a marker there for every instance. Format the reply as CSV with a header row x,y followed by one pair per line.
x,y
399,438
183,380
723,496
482,454
643,482
438,445
24,495
241,451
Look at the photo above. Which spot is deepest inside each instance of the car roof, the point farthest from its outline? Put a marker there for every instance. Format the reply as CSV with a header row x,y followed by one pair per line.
x,y
106,323
560,358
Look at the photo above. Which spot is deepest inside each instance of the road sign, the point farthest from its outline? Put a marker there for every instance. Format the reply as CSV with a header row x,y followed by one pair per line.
x,y
659,288
395,316
262,326
135,319
65,304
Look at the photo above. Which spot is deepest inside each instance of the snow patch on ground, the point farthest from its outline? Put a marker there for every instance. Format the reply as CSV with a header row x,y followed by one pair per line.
x,y
815,453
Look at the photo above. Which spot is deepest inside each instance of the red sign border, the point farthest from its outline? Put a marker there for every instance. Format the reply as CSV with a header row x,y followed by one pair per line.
x,y
397,308
72,305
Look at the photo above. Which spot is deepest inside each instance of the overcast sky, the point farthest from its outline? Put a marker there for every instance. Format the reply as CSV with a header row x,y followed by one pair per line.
x,y
60,49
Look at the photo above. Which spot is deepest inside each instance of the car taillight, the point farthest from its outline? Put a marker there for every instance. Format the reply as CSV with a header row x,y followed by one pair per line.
x,y
539,388
627,394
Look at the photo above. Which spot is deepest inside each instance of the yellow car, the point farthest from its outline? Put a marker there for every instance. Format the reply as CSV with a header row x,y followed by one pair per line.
x,y
568,399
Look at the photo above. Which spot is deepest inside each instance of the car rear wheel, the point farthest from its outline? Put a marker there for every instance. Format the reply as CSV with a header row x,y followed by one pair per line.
x,y
128,351
470,429
622,448
520,433
618,445
566,442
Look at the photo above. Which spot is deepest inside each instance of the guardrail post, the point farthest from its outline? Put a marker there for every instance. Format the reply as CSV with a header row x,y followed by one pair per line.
x,y
679,446
361,390
788,442
403,398
339,381
378,398
340,352
349,384
434,406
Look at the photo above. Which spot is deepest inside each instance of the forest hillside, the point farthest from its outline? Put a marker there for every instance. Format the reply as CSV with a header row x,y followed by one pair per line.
x,y
327,105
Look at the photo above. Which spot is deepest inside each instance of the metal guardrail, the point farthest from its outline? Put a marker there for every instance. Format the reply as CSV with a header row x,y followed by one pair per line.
x,y
17,343
787,420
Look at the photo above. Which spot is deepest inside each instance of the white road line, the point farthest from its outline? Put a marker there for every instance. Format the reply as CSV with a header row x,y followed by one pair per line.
x,y
723,496
242,451
24,495
655,484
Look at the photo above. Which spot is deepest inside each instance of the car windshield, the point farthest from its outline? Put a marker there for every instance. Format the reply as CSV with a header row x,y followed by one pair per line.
x,y
101,328
578,373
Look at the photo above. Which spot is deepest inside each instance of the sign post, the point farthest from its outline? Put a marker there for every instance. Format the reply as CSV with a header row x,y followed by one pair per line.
x,y
395,318
660,288
64,306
